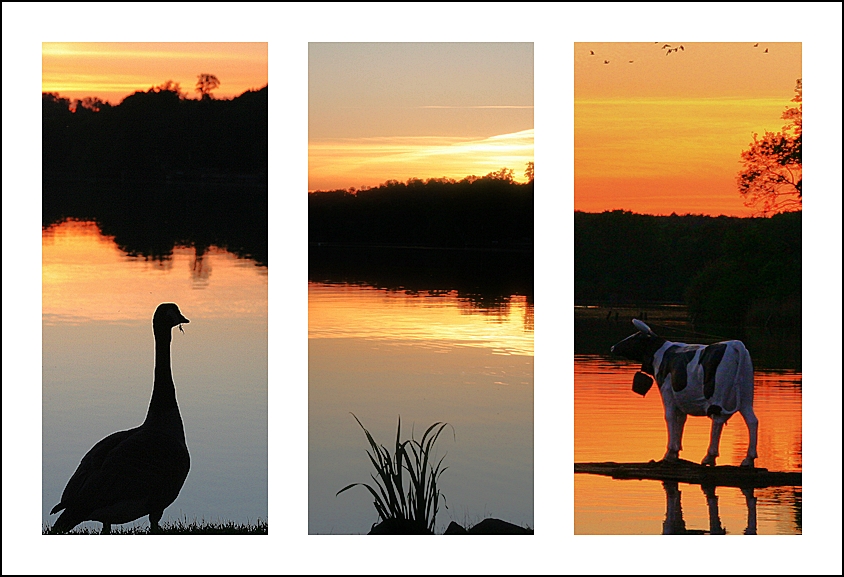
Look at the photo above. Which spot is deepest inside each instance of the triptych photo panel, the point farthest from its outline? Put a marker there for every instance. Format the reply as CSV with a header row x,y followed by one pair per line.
x,y
687,223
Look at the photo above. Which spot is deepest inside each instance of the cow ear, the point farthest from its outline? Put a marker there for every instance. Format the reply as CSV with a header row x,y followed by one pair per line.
x,y
642,383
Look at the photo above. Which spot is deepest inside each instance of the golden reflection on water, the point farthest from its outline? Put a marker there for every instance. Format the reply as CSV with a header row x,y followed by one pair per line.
x,y
85,276
426,358
611,423
423,319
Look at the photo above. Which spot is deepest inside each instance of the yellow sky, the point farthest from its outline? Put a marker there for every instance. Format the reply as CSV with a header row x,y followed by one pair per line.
x,y
382,111
113,70
662,132
334,163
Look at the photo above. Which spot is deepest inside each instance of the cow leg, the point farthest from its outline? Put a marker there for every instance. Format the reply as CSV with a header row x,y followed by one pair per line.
x,y
675,420
752,430
714,441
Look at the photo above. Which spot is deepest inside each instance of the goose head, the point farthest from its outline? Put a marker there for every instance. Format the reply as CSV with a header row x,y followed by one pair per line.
x,y
167,316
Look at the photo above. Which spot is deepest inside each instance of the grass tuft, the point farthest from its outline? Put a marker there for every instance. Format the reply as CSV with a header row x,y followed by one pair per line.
x,y
179,527
406,480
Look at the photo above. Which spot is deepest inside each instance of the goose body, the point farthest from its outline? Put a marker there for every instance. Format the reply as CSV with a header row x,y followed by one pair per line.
x,y
137,472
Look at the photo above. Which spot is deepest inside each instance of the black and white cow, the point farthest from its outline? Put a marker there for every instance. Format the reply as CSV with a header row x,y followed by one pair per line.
x,y
704,380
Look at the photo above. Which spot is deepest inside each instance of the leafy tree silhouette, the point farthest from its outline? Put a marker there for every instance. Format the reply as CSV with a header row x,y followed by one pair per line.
x,y
772,177
205,84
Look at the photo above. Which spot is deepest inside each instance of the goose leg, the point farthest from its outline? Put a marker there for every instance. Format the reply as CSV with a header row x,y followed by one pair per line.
x,y
154,518
106,529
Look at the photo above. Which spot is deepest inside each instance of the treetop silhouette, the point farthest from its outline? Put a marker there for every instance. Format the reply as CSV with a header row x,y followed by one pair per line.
x,y
772,177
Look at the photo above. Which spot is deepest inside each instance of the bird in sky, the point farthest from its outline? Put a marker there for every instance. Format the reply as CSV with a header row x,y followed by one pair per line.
x,y
591,53
606,61
756,45
766,51
666,46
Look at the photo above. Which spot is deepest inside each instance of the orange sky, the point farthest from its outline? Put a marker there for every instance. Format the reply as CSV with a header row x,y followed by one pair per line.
x,y
114,70
664,133
381,111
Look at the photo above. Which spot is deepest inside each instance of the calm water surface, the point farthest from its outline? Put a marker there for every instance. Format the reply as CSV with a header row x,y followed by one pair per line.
x,y
426,357
614,424
98,365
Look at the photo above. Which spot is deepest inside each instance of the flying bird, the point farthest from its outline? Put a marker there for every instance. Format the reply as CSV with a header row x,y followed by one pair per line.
x,y
137,472
666,46
630,61
606,61
681,48
766,51
591,53
756,45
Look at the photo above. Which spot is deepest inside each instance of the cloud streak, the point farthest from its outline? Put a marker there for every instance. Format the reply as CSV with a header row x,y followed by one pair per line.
x,y
341,163
478,107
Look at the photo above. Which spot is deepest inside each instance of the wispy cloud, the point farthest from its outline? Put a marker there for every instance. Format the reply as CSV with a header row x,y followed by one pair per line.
x,y
476,107
340,163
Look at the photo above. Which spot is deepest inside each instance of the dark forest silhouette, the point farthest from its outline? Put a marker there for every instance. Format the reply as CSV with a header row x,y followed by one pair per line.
x,y
160,170
492,211
473,237
155,134
730,271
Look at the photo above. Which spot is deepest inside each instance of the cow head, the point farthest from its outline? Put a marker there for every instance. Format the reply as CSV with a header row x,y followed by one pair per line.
x,y
640,347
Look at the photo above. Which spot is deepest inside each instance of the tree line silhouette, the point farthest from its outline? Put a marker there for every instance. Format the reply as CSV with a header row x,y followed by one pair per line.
x,y
493,211
729,271
160,170
155,134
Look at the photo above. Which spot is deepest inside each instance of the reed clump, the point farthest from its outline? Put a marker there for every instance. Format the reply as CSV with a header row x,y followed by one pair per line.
x,y
406,480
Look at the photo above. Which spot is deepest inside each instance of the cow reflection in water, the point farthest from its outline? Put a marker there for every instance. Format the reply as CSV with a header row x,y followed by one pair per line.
x,y
675,525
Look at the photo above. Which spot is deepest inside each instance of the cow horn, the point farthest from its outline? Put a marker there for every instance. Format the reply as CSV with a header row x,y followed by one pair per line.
x,y
642,327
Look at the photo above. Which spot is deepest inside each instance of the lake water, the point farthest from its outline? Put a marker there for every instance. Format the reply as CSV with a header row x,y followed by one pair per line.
x,y
98,365
426,356
612,423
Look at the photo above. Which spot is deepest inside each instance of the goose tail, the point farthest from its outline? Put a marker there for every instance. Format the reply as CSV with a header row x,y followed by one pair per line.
x,y
65,522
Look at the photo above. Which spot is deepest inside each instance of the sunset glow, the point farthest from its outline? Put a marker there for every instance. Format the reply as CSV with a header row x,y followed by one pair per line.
x,y
394,111
338,163
113,70
660,132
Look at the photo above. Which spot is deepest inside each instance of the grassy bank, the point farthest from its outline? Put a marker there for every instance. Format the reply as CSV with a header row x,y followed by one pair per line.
x,y
180,527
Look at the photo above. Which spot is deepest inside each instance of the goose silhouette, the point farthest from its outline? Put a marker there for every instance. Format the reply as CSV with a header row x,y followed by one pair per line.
x,y
137,472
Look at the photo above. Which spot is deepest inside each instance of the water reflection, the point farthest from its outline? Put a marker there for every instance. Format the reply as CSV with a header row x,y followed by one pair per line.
x,y
97,363
484,281
426,356
674,523
614,424
151,218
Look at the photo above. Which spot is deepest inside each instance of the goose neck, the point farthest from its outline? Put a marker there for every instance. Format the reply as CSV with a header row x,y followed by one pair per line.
x,y
164,391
